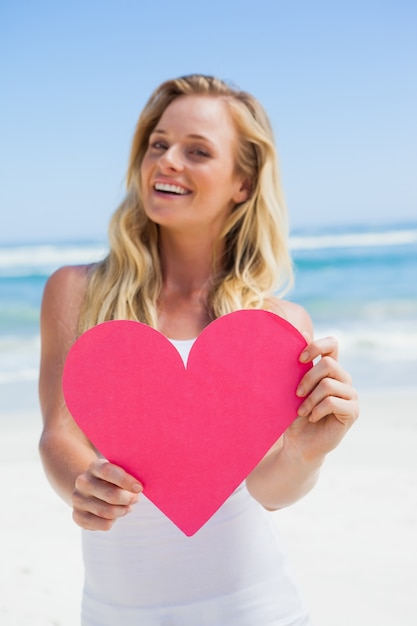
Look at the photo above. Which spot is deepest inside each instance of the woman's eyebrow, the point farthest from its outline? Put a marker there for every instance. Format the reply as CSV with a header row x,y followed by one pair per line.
x,y
199,137
161,131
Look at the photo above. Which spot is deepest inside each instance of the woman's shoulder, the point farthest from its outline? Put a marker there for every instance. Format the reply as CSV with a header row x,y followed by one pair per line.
x,y
294,313
64,291
67,278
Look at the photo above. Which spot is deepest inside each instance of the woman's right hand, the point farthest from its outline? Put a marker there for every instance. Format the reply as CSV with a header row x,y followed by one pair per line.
x,y
102,494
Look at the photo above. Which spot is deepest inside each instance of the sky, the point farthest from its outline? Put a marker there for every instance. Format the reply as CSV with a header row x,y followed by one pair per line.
x,y
338,80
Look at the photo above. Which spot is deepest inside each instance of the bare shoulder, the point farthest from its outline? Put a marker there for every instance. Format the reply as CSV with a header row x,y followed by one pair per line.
x,y
69,277
67,284
294,313
62,298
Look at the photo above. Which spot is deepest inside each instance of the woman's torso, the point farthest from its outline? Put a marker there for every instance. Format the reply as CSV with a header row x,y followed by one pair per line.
x,y
232,572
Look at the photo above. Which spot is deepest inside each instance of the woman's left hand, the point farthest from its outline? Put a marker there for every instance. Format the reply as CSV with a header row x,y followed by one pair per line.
x,y
330,404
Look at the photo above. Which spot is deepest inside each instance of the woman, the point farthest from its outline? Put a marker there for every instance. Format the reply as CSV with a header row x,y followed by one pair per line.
x,y
202,232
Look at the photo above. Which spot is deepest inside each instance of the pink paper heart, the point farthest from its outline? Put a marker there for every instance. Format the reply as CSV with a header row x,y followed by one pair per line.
x,y
190,435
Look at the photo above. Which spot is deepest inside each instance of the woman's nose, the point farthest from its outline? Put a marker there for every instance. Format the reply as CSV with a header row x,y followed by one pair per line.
x,y
171,159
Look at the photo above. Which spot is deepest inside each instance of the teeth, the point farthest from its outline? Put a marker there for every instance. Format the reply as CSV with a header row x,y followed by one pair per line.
x,y
170,188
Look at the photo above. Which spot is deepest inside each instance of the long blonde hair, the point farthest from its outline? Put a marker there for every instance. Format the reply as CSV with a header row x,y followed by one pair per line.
x,y
256,262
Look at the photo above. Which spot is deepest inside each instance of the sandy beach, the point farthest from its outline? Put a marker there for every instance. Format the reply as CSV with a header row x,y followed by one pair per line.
x,y
352,541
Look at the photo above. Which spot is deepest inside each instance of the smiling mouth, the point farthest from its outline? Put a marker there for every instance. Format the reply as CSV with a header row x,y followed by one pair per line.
x,y
171,189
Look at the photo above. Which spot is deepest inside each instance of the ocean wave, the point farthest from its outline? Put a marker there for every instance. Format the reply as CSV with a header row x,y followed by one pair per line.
x,y
354,240
377,344
19,358
20,260
44,258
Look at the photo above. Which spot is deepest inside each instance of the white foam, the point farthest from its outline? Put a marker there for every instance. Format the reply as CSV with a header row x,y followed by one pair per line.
x,y
379,343
19,358
39,257
354,240
15,260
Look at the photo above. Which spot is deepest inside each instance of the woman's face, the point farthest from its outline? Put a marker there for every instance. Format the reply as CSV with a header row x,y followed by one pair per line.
x,y
188,174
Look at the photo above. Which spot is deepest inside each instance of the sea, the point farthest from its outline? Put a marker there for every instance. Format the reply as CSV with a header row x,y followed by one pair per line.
x,y
359,284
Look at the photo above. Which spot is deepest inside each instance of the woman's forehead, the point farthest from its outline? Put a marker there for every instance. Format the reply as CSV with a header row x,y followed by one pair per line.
x,y
197,116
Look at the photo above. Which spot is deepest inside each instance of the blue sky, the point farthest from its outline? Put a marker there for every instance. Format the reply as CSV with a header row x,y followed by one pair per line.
x,y
338,79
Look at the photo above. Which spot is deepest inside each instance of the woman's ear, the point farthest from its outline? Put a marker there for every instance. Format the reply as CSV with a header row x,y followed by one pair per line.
x,y
244,191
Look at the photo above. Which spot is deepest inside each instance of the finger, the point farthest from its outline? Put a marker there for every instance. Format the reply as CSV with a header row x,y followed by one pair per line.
x,y
88,521
345,411
327,367
115,475
319,348
327,388
99,508
87,486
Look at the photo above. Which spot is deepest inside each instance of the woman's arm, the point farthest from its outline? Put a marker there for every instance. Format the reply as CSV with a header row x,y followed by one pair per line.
x,y
328,410
98,491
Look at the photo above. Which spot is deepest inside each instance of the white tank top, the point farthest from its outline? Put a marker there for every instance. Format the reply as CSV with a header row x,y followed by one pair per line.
x,y
232,572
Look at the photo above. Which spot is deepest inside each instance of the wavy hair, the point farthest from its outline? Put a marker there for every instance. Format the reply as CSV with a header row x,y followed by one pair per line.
x,y
255,262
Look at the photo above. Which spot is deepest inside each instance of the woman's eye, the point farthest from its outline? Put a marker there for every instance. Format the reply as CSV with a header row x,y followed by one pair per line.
x,y
200,152
158,145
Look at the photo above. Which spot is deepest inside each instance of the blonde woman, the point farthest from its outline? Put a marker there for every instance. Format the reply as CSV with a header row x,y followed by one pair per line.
x,y
202,232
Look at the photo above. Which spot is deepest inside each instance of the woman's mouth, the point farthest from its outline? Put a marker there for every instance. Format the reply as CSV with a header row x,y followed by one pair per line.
x,y
171,189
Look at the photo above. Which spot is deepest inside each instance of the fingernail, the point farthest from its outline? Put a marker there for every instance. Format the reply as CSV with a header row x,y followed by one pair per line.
x,y
302,411
137,488
304,356
300,391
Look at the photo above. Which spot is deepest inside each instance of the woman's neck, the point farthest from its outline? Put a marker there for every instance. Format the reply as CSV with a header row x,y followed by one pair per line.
x,y
186,263
187,272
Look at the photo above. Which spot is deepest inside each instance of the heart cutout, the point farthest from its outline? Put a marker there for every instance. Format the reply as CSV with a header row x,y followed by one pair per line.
x,y
190,435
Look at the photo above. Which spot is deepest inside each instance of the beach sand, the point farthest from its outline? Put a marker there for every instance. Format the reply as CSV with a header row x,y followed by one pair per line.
x,y
352,540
